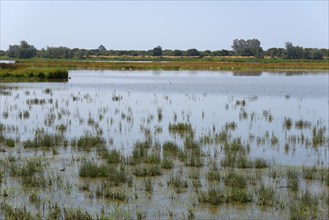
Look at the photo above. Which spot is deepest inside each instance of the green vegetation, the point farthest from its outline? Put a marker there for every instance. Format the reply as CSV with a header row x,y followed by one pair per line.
x,y
305,207
266,195
235,180
15,71
241,47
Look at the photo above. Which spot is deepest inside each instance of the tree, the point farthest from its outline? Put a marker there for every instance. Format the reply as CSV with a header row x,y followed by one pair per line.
x,y
193,52
157,51
24,50
248,48
101,48
294,52
317,54
206,53
178,53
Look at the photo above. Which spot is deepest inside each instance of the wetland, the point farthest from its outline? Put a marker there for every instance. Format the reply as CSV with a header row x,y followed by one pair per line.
x,y
109,144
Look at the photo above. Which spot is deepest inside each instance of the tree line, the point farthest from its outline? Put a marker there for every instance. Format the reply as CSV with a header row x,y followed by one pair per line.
x,y
240,47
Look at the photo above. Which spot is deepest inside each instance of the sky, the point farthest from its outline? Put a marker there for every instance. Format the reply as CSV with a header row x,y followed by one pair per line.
x,y
143,25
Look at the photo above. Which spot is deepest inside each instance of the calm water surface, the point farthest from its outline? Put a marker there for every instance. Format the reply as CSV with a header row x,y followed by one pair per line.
x,y
123,103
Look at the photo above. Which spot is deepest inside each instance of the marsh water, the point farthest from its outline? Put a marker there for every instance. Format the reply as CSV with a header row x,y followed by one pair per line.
x,y
122,106
204,99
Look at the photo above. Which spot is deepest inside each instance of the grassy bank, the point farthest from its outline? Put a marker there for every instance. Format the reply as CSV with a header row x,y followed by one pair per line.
x,y
140,63
23,72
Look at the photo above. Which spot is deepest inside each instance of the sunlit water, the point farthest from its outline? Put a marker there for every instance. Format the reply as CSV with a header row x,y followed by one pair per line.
x,y
122,103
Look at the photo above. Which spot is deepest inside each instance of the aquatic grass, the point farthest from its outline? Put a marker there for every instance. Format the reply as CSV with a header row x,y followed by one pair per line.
x,y
230,126
55,212
160,114
167,164
116,174
260,163
235,155
147,170
36,101
318,136
310,173
88,141
274,140
190,143
140,152
287,123
234,179
10,142
182,129
192,160
44,140
153,158
24,115
148,185
214,196
27,168
326,178
304,206
113,156
178,182
300,124
170,148
214,175
16,212
221,137
237,195
242,162
36,180
117,194
266,195
73,214
89,169
48,91
293,180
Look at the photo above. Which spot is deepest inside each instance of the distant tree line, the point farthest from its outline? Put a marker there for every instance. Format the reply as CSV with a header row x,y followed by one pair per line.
x,y
240,47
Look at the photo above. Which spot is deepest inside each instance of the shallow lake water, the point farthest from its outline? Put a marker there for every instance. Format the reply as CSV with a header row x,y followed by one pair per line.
x,y
204,99
262,110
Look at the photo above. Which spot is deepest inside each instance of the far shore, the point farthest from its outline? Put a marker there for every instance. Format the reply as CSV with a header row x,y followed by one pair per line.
x,y
32,67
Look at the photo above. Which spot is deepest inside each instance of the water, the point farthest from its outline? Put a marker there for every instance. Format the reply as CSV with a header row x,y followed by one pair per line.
x,y
125,106
7,61
207,100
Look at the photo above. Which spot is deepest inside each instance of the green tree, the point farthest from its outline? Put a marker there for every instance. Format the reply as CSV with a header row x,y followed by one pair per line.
x,y
157,51
206,53
294,52
178,53
101,48
249,47
193,52
24,50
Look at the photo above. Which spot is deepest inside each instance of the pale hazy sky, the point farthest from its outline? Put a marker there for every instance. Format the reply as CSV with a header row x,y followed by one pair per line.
x,y
172,24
